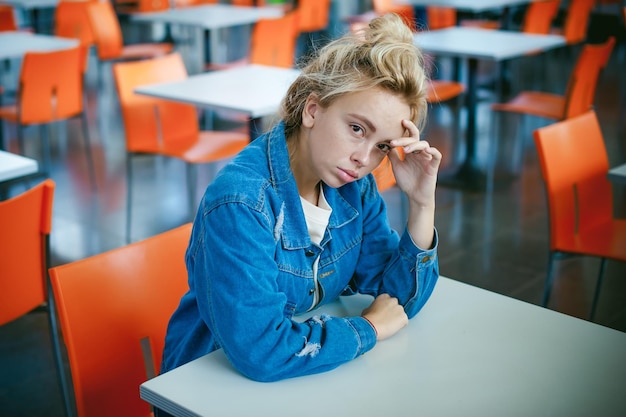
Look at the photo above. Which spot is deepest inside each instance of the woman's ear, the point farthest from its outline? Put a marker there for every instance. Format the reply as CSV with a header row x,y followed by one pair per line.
x,y
311,107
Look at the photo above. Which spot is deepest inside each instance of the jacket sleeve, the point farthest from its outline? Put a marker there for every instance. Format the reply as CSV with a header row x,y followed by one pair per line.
x,y
239,300
392,265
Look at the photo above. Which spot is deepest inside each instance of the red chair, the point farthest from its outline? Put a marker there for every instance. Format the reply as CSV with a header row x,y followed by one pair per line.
x,y
7,18
574,166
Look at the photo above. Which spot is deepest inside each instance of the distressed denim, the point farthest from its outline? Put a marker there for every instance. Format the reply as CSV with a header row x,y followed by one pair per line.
x,y
250,261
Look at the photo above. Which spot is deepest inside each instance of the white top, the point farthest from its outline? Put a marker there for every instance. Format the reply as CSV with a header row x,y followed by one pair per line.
x,y
469,352
475,6
496,45
16,44
618,174
13,166
211,16
253,89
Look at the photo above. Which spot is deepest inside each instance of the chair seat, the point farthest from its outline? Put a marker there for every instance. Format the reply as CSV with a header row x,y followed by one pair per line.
x,y
145,50
536,103
439,90
606,240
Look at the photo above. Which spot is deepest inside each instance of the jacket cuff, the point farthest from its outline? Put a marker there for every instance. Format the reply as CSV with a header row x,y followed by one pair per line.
x,y
365,334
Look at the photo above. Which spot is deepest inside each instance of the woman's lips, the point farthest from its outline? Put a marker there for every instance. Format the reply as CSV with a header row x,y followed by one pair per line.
x,y
348,175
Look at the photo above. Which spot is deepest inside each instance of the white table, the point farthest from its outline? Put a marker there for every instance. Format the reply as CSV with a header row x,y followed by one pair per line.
x,y
256,90
211,18
14,166
13,45
618,174
474,6
470,352
473,45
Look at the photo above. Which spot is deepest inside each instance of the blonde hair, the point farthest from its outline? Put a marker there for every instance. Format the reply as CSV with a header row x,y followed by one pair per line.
x,y
380,55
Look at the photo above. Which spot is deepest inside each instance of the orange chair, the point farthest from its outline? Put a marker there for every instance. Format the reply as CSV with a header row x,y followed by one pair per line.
x,y
438,17
71,20
46,96
574,166
577,20
160,127
313,15
26,221
109,41
7,18
405,11
579,95
539,16
109,305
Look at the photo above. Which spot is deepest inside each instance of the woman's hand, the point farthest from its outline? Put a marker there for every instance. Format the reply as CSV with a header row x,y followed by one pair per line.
x,y
416,172
386,315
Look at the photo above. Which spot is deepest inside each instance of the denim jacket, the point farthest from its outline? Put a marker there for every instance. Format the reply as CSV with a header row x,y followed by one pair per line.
x,y
250,261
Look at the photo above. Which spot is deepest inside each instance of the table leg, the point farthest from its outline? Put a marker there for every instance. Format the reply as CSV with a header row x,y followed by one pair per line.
x,y
469,175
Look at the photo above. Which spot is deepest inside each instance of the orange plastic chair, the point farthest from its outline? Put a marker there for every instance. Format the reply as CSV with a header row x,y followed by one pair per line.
x,y
313,15
7,18
46,96
26,222
113,307
438,17
109,41
159,127
579,94
539,16
576,21
71,20
574,166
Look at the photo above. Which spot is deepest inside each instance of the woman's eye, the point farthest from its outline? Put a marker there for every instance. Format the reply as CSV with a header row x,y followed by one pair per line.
x,y
357,129
385,147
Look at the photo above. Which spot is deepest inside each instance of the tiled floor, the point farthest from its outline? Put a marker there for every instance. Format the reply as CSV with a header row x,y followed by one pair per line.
x,y
497,241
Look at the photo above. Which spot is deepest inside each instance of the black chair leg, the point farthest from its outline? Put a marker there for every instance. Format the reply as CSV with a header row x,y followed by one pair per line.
x,y
596,295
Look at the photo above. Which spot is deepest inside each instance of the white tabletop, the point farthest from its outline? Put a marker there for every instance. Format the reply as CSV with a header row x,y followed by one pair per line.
x,y
31,4
254,89
16,44
14,166
475,6
470,352
618,174
497,45
211,16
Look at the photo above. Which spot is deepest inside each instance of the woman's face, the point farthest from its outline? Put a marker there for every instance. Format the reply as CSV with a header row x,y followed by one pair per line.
x,y
348,139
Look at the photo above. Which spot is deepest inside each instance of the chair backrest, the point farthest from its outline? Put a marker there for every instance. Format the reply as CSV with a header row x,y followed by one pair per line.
x,y
273,41
25,222
51,85
107,304
71,20
581,88
151,124
383,174
539,16
577,20
574,166
438,17
313,15
7,18
106,29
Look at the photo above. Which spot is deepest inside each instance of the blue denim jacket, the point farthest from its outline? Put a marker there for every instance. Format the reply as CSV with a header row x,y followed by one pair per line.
x,y
250,261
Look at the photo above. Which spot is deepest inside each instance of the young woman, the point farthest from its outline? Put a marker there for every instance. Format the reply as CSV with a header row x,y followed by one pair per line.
x,y
295,220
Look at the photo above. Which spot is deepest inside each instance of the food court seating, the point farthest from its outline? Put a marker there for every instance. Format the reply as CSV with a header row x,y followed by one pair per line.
x,y
114,308
26,222
574,166
160,127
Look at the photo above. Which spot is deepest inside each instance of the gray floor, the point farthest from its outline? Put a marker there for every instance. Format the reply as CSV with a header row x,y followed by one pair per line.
x,y
497,241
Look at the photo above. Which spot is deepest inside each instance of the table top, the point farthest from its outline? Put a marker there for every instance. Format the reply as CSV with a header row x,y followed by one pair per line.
x,y
31,4
16,44
475,6
495,45
618,174
469,352
14,166
253,89
211,16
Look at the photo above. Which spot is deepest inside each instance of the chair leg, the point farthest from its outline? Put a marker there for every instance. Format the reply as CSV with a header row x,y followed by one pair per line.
x,y
89,153
549,277
192,175
47,158
129,193
56,344
597,291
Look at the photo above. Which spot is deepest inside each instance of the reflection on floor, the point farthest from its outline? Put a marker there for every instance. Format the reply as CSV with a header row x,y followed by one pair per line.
x,y
497,241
